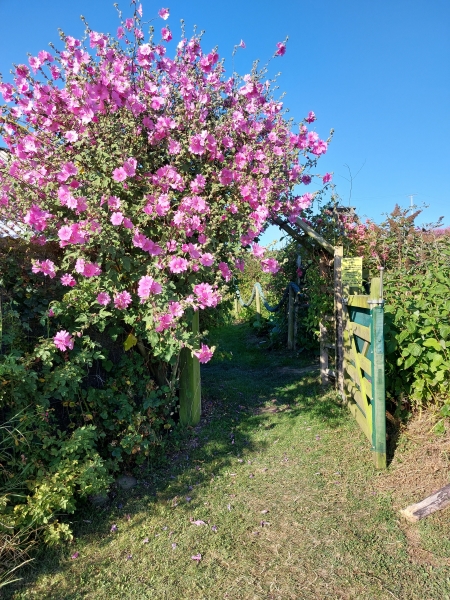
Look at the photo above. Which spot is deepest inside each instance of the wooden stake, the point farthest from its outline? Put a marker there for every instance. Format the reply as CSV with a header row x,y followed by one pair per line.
x,y
291,319
338,254
190,384
438,501
323,354
257,301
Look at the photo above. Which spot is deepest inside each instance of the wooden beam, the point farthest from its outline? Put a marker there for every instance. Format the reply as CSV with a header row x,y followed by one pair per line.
x,y
339,319
307,229
437,501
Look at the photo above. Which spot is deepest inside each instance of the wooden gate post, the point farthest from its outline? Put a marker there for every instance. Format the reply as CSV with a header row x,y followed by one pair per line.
x,y
190,384
291,319
378,380
338,312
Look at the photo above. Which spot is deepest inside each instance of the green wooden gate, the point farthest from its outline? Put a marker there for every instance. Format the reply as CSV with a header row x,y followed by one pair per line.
x,y
363,365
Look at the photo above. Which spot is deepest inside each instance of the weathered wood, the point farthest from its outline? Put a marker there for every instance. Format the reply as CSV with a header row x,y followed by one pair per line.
x,y
361,331
323,354
190,383
364,363
437,501
236,308
338,311
291,319
257,300
307,229
354,376
360,419
358,301
314,235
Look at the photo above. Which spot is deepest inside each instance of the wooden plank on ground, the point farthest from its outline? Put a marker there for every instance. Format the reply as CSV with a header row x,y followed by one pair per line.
x,y
437,501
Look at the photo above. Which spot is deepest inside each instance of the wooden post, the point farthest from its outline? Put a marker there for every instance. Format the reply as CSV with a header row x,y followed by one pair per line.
x,y
257,301
236,308
378,382
338,312
291,318
190,384
323,354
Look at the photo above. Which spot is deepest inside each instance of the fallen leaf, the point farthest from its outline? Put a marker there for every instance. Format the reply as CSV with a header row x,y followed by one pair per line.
x,y
264,512
262,523
145,541
75,555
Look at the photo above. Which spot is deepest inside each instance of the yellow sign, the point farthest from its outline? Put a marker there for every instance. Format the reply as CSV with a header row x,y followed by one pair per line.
x,y
352,272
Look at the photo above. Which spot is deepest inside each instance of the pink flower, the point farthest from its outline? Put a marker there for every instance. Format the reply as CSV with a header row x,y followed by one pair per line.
x,y
178,264
258,250
225,270
127,223
68,279
63,340
122,300
71,136
164,13
91,270
119,174
175,309
311,117
206,295
37,218
198,184
79,265
281,49
120,32
114,202
241,44
327,177
270,265
226,176
165,321
306,179
207,259
129,167
204,355
116,218
166,34
174,147
103,298
67,170
46,266
147,286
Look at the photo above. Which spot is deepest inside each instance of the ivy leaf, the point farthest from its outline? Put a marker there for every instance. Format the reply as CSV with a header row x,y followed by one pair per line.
x,y
129,342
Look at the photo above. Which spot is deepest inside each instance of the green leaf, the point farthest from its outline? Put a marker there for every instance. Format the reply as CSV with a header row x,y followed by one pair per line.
x,y
129,342
409,361
432,343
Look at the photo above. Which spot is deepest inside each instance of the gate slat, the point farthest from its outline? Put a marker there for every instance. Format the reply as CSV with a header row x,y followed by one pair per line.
x,y
353,375
364,363
361,331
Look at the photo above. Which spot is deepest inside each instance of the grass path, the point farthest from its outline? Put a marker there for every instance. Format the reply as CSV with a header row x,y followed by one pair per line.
x,y
281,484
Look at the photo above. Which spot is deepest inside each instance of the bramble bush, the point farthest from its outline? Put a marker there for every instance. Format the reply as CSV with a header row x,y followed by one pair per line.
x,y
140,181
416,263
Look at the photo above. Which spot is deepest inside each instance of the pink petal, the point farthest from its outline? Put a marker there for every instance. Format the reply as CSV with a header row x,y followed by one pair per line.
x,y
197,557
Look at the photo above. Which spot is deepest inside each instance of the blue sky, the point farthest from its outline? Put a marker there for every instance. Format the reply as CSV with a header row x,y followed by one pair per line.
x,y
377,72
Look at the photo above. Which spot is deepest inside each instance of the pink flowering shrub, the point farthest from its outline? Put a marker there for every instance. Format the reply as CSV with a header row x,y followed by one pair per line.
x,y
153,170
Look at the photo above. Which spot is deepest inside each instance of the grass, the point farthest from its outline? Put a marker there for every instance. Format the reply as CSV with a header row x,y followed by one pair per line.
x,y
282,479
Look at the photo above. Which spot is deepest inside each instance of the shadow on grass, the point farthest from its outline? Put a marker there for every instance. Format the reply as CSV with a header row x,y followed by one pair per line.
x,y
242,390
